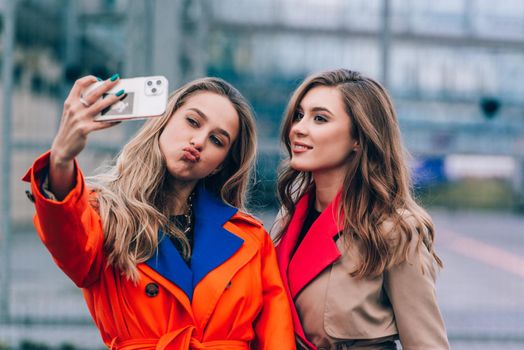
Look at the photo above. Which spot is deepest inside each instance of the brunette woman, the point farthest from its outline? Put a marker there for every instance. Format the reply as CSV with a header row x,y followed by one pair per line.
x,y
355,250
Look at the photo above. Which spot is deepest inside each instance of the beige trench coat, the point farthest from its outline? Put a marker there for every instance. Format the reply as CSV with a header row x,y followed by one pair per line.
x,y
336,311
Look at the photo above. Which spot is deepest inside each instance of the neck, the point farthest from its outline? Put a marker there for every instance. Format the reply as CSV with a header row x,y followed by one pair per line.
x,y
178,202
327,185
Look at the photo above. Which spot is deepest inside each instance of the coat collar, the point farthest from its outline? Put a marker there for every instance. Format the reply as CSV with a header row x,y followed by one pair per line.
x,y
211,288
316,251
213,244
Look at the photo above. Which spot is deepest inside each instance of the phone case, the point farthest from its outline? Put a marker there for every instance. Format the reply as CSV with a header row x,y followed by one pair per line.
x,y
146,97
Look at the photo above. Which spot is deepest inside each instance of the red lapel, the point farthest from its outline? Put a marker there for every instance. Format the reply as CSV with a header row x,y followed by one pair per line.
x,y
287,244
316,251
284,249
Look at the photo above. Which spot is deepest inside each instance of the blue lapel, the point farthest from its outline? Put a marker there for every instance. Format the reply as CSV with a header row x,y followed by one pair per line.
x,y
213,243
212,246
168,262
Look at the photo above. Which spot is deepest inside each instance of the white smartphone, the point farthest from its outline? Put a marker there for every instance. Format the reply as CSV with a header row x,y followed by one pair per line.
x,y
146,97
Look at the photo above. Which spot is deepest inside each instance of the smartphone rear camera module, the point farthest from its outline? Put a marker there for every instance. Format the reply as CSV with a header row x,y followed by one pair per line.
x,y
154,87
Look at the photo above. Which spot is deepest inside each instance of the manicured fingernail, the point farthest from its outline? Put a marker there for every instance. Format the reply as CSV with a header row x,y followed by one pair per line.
x,y
114,77
120,93
99,79
123,97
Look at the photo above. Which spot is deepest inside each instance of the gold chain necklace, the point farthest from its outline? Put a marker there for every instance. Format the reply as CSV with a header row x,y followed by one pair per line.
x,y
189,215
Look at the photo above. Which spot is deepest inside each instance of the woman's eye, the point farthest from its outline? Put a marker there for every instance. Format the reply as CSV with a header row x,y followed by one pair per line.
x,y
298,116
319,118
192,122
216,141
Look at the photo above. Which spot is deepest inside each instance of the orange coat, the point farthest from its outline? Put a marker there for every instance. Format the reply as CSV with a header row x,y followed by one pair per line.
x,y
231,298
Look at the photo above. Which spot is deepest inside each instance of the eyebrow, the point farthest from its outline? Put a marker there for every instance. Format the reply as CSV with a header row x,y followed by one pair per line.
x,y
317,109
203,116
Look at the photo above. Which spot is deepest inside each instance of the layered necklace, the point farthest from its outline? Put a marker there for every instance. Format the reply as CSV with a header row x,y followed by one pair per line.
x,y
188,216
185,221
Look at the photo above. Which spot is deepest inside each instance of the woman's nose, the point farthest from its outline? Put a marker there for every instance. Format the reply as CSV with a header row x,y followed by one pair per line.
x,y
299,128
197,141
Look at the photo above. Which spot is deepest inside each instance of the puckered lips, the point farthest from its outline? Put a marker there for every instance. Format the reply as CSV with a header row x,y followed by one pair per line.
x,y
300,147
191,154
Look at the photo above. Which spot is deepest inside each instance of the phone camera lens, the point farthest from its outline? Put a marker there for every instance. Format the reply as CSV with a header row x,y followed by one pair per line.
x,y
149,83
158,82
153,90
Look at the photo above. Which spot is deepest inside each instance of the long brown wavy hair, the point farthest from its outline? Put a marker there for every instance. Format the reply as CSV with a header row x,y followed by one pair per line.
x,y
131,193
377,208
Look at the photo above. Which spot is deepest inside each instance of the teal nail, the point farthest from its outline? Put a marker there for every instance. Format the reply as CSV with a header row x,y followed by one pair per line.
x,y
119,93
115,77
99,79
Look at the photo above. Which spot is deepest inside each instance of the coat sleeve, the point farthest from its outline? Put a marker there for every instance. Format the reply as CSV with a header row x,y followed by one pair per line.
x,y
410,286
274,325
70,229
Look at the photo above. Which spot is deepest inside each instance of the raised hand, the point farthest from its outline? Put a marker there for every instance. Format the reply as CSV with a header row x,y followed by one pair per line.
x,y
76,123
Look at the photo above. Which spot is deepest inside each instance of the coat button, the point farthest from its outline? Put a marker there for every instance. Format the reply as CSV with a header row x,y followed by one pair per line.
x,y
152,290
30,196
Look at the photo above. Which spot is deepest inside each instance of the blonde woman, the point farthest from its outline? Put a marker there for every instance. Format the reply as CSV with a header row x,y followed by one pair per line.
x,y
355,250
164,257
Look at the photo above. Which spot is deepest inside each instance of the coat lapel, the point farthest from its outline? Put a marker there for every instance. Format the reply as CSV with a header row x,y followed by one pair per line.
x,y
213,244
179,294
284,249
317,250
168,263
287,244
210,289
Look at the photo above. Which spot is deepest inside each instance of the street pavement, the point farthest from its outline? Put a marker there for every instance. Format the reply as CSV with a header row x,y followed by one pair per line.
x,y
480,290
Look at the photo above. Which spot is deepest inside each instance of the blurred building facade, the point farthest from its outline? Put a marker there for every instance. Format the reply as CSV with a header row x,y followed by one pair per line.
x,y
440,60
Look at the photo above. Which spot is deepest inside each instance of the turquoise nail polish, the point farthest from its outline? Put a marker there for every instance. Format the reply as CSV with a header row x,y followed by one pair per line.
x,y
119,93
115,77
99,79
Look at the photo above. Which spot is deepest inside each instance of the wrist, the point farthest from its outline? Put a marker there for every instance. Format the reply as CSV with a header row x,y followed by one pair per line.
x,y
57,160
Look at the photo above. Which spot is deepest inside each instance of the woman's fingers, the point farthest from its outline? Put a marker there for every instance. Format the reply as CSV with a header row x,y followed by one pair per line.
x,y
95,94
83,104
79,86
78,117
78,91
102,104
103,125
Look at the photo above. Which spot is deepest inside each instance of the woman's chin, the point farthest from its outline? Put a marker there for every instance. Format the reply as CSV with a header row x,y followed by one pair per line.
x,y
297,166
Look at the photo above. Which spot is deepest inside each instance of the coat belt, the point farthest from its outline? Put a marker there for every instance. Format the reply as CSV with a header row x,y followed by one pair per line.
x,y
181,339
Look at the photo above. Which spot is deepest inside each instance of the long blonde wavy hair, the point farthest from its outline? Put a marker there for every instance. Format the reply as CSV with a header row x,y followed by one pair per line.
x,y
377,190
132,193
